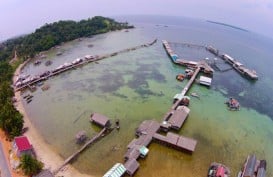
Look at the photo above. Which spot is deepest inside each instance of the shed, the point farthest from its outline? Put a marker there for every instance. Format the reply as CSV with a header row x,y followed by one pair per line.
x,y
205,80
131,166
178,117
100,120
21,145
116,171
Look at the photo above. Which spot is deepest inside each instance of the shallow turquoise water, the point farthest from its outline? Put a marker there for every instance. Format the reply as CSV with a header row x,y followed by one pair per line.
x,y
140,85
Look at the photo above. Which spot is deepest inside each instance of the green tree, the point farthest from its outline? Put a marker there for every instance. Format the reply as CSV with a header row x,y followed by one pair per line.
x,y
30,165
11,121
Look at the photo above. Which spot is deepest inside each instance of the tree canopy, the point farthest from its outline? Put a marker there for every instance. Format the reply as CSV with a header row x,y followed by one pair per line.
x,y
55,33
30,165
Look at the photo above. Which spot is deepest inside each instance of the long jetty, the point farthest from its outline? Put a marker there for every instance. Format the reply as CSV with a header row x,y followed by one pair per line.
x,y
75,154
239,67
81,62
149,130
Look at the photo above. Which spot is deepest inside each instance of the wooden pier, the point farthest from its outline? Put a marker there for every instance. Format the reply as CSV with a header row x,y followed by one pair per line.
x,y
101,121
75,154
239,67
55,72
149,131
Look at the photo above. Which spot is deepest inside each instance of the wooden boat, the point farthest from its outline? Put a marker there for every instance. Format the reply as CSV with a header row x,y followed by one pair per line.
x,y
233,104
48,62
195,95
45,87
29,100
180,77
218,170
37,62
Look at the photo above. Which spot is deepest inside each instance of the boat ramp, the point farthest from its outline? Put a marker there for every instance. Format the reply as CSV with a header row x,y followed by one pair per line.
x,y
23,82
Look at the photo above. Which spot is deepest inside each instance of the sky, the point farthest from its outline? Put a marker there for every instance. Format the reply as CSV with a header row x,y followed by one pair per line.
x,y
24,16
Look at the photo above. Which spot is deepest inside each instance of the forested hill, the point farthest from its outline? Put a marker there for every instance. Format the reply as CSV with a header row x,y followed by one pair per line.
x,y
49,35
53,34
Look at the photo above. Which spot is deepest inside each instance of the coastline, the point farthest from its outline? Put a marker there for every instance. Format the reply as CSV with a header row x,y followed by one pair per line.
x,y
44,153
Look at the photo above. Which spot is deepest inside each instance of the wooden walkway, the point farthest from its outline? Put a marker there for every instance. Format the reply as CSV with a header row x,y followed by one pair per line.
x,y
188,45
187,87
74,155
27,85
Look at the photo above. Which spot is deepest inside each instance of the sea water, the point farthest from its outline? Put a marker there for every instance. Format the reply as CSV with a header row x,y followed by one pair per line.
x,y
140,85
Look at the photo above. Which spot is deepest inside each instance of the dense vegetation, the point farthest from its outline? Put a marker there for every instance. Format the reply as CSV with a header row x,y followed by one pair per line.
x,y
11,121
53,34
30,165
49,35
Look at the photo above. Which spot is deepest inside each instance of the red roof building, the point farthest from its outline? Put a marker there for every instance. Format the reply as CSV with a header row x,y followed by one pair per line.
x,y
21,146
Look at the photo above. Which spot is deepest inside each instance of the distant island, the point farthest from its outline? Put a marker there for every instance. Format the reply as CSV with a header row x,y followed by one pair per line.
x,y
224,24
55,33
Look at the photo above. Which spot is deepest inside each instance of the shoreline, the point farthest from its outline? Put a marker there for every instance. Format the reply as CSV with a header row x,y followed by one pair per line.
x,y
44,153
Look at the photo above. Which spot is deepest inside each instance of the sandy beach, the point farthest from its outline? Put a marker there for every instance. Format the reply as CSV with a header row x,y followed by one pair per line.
x,y
43,151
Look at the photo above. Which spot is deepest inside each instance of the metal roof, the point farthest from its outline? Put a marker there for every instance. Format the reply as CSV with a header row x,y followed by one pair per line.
x,y
116,171
22,143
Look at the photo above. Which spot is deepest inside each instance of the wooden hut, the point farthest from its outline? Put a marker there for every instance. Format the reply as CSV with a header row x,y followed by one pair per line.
x,y
131,166
178,117
100,120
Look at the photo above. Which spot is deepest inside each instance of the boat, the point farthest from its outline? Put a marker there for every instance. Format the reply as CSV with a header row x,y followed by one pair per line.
x,y
45,87
59,53
218,170
48,62
253,167
26,96
180,77
28,101
193,94
233,104
40,84
37,62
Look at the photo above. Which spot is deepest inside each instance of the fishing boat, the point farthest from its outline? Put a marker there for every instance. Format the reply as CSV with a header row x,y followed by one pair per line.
x,y
29,100
233,104
253,167
193,94
180,77
48,62
37,62
218,170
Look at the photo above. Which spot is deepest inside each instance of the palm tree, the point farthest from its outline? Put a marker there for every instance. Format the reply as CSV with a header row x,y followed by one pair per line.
x,y
30,165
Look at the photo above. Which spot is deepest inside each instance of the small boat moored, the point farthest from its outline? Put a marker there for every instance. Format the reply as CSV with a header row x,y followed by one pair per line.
x,y
233,104
218,170
180,77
